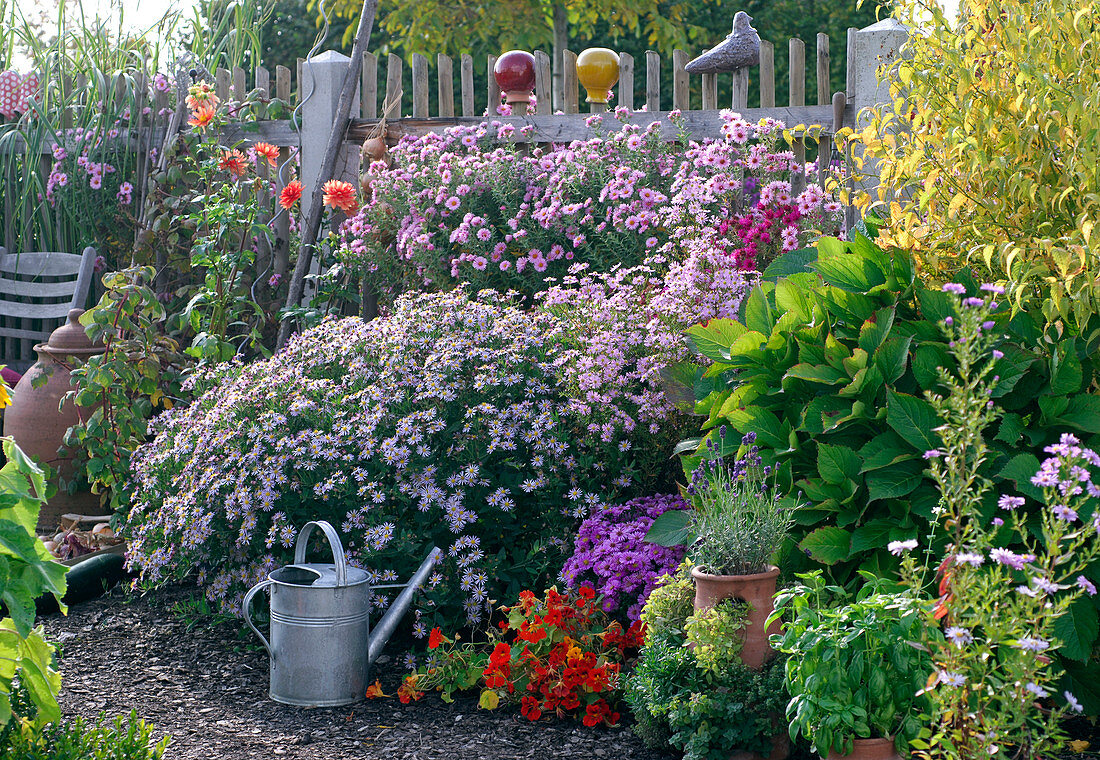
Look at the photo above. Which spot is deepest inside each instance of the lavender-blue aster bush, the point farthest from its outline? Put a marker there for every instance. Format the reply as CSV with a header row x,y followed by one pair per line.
x,y
612,556
452,422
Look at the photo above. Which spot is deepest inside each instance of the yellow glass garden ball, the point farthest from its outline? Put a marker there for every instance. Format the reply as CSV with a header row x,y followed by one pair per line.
x,y
598,72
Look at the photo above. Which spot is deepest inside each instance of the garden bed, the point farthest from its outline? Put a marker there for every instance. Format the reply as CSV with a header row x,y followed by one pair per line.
x,y
207,688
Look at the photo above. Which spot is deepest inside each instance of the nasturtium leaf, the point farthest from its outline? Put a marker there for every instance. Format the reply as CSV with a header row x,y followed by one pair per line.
x,y
489,700
827,545
913,419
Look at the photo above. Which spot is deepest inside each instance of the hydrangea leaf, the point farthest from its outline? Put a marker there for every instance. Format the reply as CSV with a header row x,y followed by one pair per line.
x,y
913,419
828,545
1077,629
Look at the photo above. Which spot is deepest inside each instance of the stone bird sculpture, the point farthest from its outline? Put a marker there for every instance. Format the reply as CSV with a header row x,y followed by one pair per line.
x,y
740,49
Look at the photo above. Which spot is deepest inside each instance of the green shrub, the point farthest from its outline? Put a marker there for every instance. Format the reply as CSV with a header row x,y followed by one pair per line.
x,y
701,700
127,738
828,366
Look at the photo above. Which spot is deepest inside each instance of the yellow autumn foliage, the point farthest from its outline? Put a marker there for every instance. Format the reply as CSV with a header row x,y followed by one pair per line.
x,y
990,151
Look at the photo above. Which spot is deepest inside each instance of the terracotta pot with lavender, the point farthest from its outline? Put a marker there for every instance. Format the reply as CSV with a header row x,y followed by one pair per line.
x,y
739,522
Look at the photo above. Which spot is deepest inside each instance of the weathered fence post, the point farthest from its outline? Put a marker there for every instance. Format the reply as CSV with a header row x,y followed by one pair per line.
x,y
869,49
321,80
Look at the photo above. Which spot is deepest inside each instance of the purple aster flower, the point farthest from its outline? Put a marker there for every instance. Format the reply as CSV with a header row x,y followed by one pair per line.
x,y
954,287
998,354
951,679
1086,585
990,288
1008,558
958,636
1007,502
1032,644
973,302
1072,703
1037,690
974,559
1062,512
933,454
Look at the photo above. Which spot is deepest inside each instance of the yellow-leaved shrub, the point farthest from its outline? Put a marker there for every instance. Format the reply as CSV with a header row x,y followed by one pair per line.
x,y
990,151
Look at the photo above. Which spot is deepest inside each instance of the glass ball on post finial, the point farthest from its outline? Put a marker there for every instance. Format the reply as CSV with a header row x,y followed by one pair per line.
x,y
598,72
515,75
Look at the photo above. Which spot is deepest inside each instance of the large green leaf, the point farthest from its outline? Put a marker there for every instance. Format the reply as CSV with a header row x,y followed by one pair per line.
x,y
847,271
1082,412
1065,369
894,481
884,450
770,431
876,534
1077,630
913,419
714,338
837,464
892,356
1019,470
820,373
828,545
672,528
874,330
757,311
791,262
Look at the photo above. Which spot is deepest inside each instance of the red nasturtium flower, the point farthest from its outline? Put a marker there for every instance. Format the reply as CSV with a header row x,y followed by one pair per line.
x,y
435,638
234,162
268,151
341,195
290,194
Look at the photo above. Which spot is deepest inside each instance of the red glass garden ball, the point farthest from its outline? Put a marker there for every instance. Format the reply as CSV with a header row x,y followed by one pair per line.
x,y
515,71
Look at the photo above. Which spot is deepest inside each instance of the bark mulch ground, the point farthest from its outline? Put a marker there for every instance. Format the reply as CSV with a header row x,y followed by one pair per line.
x,y
205,685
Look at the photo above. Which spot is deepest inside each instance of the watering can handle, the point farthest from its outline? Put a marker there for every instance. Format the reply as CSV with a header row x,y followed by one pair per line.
x,y
333,542
246,608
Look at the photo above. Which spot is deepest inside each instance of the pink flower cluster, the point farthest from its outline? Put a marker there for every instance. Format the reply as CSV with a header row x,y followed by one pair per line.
x,y
462,206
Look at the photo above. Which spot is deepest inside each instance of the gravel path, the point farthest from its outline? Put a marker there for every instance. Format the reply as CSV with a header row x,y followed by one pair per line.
x,y
207,688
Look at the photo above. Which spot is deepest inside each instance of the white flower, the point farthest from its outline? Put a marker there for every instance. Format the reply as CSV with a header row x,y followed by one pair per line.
x,y
898,548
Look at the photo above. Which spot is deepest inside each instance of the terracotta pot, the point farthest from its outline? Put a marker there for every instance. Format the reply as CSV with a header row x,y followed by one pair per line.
x,y
869,749
38,425
757,590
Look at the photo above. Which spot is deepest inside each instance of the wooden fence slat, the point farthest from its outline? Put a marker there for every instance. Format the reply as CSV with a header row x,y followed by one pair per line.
x,y
710,92
652,80
469,108
240,84
543,84
445,86
681,84
420,86
368,86
626,80
797,73
493,89
767,74
823,96
740,100
263,81
301,81
849,62
570,101
282,83
221,84
393,87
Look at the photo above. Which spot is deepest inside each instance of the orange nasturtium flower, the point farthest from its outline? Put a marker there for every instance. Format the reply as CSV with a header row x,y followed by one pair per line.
x,y
341,195
268,151
374,691
234,162
290,194
201,118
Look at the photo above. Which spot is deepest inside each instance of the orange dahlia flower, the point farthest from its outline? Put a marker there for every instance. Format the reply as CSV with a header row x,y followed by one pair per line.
x,y
340,195
234,162
290,194
201,96
268,151
201,118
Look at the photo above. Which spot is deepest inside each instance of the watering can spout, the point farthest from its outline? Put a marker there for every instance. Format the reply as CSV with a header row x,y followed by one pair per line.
x,y
384,630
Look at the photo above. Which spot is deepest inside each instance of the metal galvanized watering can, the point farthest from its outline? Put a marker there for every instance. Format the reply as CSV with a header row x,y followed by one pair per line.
x,y
321,644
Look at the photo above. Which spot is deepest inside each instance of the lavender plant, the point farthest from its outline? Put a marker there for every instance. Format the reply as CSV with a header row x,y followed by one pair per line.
x,y
739,520
1009,580
611,556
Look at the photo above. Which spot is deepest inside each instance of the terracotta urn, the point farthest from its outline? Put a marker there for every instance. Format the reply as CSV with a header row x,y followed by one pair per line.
x,y
515,75
598,72
37,420
757,591
869,749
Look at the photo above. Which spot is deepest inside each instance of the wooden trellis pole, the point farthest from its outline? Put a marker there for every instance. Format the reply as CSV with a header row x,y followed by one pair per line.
x,y
335,140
